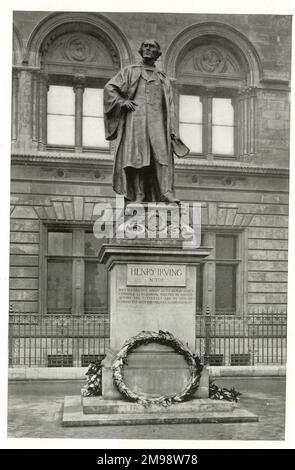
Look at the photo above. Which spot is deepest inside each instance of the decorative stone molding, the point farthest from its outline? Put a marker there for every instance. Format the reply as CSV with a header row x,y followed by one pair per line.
x,y
14,104
225,215
79,81
68,43
77,48
69,172
17,47
58,209
235,41
80,209
183,165
210,59
275,84
55,24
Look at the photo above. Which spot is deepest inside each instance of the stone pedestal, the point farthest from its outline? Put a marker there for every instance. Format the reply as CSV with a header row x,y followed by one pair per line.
x,y
151,288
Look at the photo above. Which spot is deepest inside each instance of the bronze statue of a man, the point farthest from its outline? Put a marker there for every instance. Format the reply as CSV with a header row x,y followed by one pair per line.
x,y
139,113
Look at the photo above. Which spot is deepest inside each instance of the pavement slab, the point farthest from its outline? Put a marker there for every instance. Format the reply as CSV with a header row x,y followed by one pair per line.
x,y
35,411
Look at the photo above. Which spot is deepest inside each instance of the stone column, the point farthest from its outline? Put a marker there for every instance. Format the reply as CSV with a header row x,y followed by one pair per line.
x,y
79,90
14,104
34,106
209,276
246,120
245,127
78,272
208,124
251,119
24,112
43,90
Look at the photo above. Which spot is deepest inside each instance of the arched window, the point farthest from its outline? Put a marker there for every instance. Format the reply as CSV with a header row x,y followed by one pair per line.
x,y
210,77
216,70
76,62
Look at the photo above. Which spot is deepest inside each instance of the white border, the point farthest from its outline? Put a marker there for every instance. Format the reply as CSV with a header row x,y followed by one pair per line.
x,y
284,7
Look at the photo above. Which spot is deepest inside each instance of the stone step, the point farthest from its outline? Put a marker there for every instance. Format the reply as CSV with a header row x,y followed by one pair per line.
x,y
73,416
99,405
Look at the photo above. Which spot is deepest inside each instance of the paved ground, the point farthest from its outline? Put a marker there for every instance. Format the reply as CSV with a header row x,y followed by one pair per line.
x,y
35,408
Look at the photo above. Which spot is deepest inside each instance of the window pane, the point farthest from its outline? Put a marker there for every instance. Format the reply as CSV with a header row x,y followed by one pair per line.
x,y
95,299
225,293
191,134
222,112
190,109
61,115
225,247
93,102
222,140
60,130
60,243
61,100
59,286
92,244
93,132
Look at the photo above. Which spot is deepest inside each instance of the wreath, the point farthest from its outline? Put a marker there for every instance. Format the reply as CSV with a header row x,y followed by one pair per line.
x,y
161,337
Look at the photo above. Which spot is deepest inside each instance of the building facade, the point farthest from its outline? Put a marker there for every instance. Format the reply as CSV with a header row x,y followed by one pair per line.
x,y
231,83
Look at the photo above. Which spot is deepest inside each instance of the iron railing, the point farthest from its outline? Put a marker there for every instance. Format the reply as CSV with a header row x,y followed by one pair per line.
x,y
253,339
75,340
57,340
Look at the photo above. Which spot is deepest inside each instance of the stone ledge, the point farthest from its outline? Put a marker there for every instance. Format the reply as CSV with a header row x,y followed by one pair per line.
x,y
73,416
99,405
106,159
73,373
47,373
247,371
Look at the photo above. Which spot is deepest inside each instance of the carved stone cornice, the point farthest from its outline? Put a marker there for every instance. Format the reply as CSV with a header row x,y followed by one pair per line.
x,y
27,68
183,165
275,84
247,91
227,168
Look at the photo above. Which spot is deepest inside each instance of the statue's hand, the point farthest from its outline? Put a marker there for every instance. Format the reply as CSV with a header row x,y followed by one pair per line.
x,y
130,105
174,137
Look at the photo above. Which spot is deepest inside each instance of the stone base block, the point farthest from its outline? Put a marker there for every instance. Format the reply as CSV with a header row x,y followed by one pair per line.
x,y
98,405
73,414
152,373
110,392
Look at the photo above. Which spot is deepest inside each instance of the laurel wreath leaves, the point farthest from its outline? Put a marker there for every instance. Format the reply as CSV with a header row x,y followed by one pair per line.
x,y
93,387
165,338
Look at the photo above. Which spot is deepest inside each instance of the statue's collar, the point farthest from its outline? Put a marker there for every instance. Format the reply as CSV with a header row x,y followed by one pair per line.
x,y
152,68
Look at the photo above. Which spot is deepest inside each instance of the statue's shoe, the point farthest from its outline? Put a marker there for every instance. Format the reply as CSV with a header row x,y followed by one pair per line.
x,y
139,198
169,197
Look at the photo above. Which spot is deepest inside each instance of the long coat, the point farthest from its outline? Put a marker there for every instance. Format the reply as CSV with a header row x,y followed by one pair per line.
x,y
120,125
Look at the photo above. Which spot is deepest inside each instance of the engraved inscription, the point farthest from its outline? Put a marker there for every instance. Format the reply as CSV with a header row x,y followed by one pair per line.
x,y
154,295
156,275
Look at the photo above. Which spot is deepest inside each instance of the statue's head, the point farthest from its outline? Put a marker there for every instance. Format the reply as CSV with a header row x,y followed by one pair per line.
x,y
150,50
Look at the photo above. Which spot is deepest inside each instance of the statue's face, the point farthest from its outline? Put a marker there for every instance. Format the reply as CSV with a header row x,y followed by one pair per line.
x,y
149,50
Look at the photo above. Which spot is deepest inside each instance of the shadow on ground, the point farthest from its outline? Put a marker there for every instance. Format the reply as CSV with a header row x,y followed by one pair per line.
x,y
35,410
